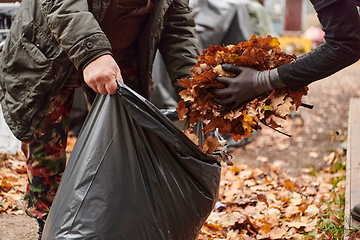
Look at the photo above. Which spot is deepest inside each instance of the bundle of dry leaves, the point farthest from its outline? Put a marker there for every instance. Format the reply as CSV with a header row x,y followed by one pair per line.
x,y
258,53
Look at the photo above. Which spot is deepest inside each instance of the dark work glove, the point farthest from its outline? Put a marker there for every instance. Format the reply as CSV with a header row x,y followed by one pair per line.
x,y
248,84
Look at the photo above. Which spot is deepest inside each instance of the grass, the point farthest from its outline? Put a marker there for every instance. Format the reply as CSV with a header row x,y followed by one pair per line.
x,y
331,224
333,218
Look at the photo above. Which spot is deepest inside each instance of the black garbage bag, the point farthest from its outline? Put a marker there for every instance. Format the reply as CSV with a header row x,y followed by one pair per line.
x,y
133,175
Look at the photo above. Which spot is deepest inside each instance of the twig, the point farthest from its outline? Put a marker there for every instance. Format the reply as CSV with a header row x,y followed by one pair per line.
x,y
288,135
310,106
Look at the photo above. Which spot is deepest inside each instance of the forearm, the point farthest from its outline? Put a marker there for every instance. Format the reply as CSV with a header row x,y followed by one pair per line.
x,y
178,45
76,29
341,25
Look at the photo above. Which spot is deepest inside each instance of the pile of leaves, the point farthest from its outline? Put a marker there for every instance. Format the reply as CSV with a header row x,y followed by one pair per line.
x,y
197,104
267,203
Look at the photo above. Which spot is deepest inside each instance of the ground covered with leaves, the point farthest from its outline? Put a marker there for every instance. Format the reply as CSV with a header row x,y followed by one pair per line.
x,y
267,203
255,202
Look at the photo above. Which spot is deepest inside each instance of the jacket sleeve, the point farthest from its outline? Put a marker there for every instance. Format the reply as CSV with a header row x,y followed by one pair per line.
x,y
76,30
178,45
341,24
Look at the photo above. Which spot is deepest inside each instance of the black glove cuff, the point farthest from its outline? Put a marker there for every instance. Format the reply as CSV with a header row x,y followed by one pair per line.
x,y
275,79
262,82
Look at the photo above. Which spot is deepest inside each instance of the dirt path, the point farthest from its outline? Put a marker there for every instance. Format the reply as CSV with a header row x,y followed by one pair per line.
x,y
20,227
315,134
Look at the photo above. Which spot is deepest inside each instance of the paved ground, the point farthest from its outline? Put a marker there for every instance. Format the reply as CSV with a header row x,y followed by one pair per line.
x,y
315,134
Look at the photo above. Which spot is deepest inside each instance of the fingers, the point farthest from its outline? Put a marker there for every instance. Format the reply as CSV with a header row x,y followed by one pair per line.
x,y
224,80
221,92
118,75
224,101
228,103
101,75
103,84
232,68
228,90
110,87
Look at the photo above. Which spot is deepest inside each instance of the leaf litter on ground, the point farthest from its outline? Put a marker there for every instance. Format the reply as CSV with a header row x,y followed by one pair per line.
x,y
267,203
254,202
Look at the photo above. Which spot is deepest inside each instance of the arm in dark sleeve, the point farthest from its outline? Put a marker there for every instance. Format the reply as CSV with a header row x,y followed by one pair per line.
x,y
178,45
76,29
341,24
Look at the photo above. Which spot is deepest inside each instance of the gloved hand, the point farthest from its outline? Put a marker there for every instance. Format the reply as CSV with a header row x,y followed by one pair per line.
x,y
248,84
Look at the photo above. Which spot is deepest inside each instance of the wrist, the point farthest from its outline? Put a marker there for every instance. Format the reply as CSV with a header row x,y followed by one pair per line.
x,y
275,79
96,55
262,82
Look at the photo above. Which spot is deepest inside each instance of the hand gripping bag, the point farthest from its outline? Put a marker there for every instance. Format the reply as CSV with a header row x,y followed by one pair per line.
x,y
133,175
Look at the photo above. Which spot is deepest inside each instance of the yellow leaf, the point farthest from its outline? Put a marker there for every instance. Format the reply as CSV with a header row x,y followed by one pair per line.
x,y
233,57
275,42
4,183
266,228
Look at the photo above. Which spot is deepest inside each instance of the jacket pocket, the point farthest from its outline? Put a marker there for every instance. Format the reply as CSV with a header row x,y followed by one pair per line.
x,y
45,43
28,64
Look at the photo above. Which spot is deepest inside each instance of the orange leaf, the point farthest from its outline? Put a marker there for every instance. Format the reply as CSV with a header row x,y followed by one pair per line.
x,y
182,110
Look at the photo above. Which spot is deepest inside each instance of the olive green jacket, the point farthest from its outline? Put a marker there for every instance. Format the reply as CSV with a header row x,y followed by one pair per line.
x,y
48,38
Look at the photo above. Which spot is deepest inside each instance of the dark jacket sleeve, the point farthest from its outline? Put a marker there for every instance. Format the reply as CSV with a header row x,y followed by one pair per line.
x,y
76,29
341,24
178,45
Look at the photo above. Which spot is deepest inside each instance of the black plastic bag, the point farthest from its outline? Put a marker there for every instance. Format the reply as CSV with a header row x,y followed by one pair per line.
x,y
133,175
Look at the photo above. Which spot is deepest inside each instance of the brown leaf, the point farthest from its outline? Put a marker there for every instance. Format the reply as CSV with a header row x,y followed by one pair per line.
x,y
192,136
211,144
181,110
263,199
355,236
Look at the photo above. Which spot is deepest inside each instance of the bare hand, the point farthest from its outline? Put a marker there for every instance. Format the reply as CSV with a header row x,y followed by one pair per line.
x,y
101,75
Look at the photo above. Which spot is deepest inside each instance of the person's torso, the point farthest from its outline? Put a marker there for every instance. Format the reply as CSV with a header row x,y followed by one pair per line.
x,y
123,23
320,4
